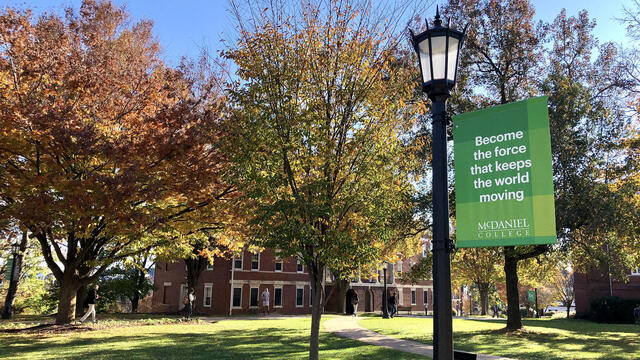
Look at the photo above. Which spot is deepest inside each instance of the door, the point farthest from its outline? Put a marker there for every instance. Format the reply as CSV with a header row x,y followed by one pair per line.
x,y
183,294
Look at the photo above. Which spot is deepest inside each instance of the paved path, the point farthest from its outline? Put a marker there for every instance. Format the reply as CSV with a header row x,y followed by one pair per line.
x,y
348,327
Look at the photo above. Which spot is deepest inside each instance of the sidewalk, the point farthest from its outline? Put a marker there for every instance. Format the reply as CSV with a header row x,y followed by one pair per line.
x,y
348,327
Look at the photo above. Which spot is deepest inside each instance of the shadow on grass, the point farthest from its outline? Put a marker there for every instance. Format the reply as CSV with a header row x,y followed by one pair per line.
x,y
267,343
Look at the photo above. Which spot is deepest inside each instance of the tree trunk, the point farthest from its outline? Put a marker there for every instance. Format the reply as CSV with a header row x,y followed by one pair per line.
x,y
341,288
483,289
67,304
514,321
15,277
135,299
81,294
195,267
316,312
568,309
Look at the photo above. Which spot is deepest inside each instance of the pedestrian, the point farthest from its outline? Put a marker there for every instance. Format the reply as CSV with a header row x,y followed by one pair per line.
x,y
636,314
265,301
495,310
392,304
188,304
354,302
90,302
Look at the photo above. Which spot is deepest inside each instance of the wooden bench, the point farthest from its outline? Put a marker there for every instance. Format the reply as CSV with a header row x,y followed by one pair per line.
x,y
404,308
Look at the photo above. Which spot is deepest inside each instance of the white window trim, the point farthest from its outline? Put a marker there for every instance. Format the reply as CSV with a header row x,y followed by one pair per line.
x,y
302,266
278,261
413,297
281,296
252,269
296,298
400,301
209,266
239,306
241,258
257,288
204,297
635,272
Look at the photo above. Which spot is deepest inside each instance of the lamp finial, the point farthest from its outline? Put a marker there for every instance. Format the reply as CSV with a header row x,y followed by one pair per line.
x,y
437,21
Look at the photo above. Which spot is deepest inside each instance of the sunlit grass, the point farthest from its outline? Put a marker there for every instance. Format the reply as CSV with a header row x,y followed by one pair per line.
x,y
225,339
540,339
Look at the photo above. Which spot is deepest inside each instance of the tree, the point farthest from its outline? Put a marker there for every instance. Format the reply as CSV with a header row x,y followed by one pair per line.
x,y
124,281
480,267
101,144
505,60
321,135
498,63
563,286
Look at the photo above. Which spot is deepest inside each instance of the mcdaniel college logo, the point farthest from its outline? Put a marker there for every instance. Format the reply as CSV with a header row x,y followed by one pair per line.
x,y
498,229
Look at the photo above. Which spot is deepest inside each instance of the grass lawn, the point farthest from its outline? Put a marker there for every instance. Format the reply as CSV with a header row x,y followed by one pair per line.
x,y
225,339
541,338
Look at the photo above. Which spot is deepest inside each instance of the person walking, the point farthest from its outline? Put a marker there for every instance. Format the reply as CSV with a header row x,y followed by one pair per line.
x,y
265,301
636,314
495,310
90,302
392,304
354,302
188,305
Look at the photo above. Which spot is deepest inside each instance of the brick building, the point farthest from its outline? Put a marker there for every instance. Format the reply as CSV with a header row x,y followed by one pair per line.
x,y
597,283
234,286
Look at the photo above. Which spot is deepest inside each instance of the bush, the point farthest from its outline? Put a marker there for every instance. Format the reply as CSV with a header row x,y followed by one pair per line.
x,y
612,309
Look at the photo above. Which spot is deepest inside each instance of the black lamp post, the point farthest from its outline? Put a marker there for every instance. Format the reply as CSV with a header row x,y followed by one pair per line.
x,y
438,49
13,281
385,305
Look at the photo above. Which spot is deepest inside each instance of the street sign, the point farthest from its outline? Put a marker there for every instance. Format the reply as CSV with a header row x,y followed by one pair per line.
x,y
503,176
531,296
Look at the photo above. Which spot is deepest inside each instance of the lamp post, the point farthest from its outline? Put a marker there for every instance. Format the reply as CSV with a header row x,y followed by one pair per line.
x,y
13,281
385,306
438,49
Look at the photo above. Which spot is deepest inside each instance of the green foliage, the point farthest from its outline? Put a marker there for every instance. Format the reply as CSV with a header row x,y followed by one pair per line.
x,y
120,283
421,270
612,309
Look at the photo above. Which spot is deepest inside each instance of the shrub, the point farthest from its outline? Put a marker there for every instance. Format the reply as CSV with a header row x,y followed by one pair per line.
x,y
612,309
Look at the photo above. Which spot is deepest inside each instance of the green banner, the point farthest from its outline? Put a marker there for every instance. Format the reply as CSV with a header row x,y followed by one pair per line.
x,y
531,296
503,176
8,269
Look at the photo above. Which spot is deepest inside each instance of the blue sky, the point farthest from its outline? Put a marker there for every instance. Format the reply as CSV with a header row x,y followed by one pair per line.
x,y
185,26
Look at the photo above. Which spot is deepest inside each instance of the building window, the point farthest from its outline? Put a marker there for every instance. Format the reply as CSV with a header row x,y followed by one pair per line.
x,y
299,297
310,297
413,297
399,266
635,272
255,261
277,297
166,266
400,297
207,295
299,266
278,261
425,296
237,263
253,297
209,266
237,297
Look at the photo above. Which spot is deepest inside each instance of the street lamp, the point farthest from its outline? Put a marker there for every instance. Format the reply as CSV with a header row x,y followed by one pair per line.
x,y
13,282
385,306
15,248
438,51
